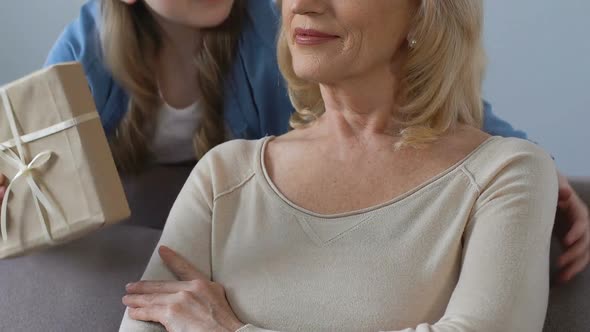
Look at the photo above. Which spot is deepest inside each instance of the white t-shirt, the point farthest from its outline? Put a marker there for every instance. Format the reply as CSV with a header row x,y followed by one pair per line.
x,y
174,132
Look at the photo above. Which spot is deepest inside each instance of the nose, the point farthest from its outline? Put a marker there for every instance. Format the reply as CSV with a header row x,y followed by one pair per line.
x,y
308,7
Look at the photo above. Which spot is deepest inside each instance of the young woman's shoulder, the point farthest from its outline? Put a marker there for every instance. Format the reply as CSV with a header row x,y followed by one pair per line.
x,y
80,42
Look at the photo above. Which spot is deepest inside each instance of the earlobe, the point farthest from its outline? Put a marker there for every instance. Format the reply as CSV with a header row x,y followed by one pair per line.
x,y
412,42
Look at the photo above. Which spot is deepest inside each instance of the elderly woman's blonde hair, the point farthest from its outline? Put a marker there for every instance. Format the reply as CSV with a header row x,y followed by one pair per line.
x,y
441,79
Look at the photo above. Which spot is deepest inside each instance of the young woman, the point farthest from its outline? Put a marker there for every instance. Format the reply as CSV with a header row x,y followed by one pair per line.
x,y
171,80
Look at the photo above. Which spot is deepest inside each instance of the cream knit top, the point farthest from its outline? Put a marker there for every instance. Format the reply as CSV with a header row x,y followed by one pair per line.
x,y
466,251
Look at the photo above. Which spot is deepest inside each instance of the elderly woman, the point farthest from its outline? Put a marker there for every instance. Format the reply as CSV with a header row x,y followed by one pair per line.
x,y
386,208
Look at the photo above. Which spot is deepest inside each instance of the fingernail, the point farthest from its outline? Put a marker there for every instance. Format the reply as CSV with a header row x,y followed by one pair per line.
x,y
129,285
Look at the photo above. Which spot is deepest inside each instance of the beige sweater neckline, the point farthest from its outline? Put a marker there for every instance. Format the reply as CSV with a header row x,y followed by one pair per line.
x,y
273,191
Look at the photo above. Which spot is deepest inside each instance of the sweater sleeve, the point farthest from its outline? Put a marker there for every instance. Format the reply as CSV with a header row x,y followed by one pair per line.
x,y
504,278
187,231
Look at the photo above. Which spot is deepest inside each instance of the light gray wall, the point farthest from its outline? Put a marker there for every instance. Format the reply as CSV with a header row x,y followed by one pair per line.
x,y
539,74
28,28
538,78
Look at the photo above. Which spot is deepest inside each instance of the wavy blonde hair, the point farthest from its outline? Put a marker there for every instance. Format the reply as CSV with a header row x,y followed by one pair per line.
x,y
441,79
132,40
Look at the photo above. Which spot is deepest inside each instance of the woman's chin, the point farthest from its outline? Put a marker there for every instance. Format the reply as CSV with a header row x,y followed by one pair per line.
x,y
210,18
318,75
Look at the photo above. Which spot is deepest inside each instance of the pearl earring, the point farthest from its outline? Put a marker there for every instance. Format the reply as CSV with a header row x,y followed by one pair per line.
x,y
412,43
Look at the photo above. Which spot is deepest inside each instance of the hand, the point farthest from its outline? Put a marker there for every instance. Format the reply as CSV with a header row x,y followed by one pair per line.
x,y
576,238
193,304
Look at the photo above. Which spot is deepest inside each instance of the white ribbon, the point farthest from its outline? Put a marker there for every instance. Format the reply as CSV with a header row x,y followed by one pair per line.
x,y
28,138
26,171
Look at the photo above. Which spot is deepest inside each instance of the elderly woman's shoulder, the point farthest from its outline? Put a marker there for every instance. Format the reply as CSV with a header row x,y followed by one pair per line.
x,y
234,151
467,138
524,154
487,156
511,149
232,161
509,159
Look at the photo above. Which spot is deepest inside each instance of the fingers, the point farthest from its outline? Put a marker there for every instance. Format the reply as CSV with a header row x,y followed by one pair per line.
x,y
577,239
577,232
157,287
565,193
572,209
193,302
150,300
164,308
145,300
148,314
565,189
571,271
564,205
579,209
576,251
182,268
170,287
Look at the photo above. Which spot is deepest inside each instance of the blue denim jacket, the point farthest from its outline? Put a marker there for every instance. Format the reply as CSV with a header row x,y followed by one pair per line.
x,y
256,103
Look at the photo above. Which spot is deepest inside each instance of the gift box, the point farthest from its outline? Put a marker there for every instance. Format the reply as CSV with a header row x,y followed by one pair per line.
x,y
63,182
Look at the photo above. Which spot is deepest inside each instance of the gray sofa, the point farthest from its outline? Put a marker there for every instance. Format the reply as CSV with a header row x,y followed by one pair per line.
x,y
78,286
569,305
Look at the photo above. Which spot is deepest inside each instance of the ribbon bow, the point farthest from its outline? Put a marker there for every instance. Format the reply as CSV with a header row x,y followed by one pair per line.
x,y
25,172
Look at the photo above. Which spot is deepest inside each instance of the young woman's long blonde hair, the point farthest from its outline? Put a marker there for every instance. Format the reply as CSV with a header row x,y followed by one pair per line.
x,y
442,77
131,41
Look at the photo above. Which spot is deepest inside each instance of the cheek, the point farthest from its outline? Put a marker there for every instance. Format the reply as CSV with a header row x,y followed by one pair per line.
x,y
354,45
380,30
380,42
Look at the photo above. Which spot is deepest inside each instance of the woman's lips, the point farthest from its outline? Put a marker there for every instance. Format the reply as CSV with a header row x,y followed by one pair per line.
x,y
312,37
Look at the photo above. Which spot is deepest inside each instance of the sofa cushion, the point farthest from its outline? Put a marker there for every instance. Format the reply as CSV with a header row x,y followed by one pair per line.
x,y
75,287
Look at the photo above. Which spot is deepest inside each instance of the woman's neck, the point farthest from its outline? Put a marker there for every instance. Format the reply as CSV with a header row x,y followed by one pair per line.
x,y
363,106
176,74
178,37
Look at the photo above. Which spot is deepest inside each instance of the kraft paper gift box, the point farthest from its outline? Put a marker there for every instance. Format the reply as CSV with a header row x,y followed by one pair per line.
x,y
53,150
